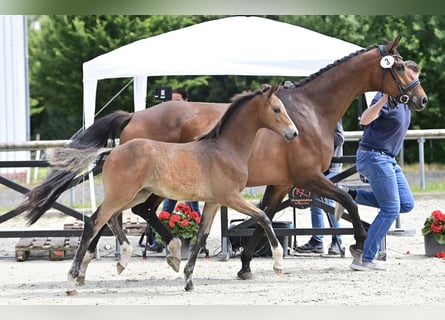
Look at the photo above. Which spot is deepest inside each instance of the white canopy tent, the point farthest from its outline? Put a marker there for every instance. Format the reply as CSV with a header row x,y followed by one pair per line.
x,y
228,46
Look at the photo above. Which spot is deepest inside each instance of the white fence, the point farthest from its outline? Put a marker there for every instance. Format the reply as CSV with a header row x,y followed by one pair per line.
x,y
420,135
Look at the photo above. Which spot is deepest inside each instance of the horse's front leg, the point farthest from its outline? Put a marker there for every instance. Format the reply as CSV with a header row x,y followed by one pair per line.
x,y
208,214
273,196
239,204
346,201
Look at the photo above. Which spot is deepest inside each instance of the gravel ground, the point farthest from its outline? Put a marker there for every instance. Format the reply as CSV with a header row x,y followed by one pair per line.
x,y
411,277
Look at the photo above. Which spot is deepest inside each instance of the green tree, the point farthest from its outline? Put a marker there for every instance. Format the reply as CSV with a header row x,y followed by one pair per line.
x,y
62,44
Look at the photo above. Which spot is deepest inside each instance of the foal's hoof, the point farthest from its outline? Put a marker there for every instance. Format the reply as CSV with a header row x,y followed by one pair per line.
x,y
189,286
278,271
174,263
120,268
71,292
80,280
245,275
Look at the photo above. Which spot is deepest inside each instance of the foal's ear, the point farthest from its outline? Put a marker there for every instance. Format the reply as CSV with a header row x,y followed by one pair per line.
x,y
391,47
272,89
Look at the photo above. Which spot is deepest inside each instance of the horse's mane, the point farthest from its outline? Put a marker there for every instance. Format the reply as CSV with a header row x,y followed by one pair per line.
x,y
332,65
237,101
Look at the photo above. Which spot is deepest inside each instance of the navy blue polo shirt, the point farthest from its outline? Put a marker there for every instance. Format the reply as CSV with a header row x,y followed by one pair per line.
x,y
387,132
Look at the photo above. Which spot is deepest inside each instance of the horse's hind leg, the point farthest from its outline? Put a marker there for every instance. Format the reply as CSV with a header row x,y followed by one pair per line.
x,y
207,217
88,257
126,248
89,231
271,199
147,210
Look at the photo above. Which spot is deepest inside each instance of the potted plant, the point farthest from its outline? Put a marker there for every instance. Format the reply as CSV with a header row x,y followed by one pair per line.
x,y
434,234
183,223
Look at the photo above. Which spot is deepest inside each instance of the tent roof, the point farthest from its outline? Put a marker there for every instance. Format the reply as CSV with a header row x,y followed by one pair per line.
x,y
229,46
234,45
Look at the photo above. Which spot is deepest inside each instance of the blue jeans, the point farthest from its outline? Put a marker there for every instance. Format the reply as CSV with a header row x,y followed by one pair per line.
x,y
317,215
390,193
169,205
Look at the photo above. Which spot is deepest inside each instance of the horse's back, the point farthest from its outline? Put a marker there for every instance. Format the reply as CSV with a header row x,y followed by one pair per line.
x,y
173,121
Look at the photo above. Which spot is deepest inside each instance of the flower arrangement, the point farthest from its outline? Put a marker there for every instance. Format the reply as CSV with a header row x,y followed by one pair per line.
x,y
435,225
183,222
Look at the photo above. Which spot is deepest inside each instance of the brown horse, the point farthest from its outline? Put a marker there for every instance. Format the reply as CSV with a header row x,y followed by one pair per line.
x,y
212,169
315,104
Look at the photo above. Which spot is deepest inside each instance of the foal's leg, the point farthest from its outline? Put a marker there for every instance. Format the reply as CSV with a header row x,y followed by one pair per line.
x,y
271,199
88,257
92,226
126,248
147,210
208,214
238,203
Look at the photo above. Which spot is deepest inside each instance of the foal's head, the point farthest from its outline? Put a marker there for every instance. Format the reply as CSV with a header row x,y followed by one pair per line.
x,y
267,108
272,113
400,78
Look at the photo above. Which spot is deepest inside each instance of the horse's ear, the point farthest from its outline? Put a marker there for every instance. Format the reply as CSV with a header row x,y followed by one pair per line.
x,y
272,89
391,47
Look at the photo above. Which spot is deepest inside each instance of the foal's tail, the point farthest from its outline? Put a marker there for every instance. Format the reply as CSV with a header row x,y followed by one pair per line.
x,y
72,159
41,198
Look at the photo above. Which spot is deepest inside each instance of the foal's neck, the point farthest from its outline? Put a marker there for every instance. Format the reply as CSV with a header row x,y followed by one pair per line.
x,y
240,131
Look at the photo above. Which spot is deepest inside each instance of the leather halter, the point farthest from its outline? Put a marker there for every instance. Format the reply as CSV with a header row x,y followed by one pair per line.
x,y
403,97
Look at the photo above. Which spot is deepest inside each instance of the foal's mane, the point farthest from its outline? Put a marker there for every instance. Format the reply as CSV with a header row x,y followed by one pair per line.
x,y
332,65
237,101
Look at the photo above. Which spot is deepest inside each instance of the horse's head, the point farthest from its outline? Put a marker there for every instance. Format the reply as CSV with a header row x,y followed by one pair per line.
x,y
403,82
275,116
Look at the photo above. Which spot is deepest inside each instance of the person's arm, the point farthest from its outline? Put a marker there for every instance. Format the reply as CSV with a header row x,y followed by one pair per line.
x,y
372,113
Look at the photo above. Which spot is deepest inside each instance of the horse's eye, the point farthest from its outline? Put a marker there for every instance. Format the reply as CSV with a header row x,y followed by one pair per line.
x,y
400,67
276,110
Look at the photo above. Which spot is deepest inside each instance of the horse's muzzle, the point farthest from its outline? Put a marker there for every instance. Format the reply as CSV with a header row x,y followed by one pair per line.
x,y
418,104
290,134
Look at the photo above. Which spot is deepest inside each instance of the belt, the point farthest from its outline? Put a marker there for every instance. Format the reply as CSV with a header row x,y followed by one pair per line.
x,y
378,151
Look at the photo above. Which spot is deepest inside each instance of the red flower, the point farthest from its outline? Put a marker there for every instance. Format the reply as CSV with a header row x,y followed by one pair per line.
x,y
436,227
183,222
175,218
440,255
164,215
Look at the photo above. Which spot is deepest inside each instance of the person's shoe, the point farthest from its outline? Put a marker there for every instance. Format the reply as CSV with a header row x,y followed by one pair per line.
x,y
310,248
334,249
365,266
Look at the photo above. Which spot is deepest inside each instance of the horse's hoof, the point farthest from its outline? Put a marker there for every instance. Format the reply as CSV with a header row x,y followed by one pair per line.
x,y
356,253
71,292
278,271
80,280
174,263
189,287
245,275
120,268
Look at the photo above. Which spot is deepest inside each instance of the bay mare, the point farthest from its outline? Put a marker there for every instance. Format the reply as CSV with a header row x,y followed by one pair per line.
x,y
212,169
315,105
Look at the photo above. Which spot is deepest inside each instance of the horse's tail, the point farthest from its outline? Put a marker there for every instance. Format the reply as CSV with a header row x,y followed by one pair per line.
x,y
100,131
41,198
73,159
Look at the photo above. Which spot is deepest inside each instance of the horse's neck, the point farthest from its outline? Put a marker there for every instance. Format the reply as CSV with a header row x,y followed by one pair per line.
x,y
334,90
